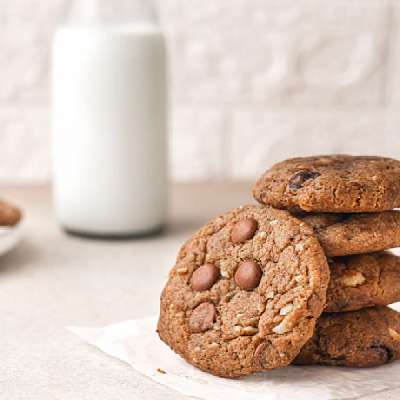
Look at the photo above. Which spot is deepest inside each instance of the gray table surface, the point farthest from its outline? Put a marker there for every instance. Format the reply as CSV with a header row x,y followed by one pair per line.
x,y
52,280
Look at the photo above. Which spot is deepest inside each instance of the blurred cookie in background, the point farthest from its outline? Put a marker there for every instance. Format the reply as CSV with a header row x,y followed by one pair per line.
x,y
10,215
10,226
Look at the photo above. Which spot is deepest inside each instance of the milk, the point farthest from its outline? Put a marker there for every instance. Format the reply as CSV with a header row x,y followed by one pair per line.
x,y
109,129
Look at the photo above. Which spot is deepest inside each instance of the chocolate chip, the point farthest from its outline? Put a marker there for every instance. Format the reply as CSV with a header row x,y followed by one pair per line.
x,y
204,277
248,275
202,318
383,353
244,230
298,179
259,354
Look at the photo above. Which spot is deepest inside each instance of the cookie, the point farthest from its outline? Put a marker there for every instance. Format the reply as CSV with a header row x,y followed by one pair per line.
x,y
345,234
363,338
336,183
245,292
9,214
363,281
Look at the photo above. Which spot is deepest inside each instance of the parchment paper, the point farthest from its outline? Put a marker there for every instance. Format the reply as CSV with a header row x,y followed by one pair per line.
x,y
137,343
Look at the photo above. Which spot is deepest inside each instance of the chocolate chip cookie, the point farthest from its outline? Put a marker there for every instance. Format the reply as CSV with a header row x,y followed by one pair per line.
x,y
335,183
363,281
345,234
9,214
245,292
364,338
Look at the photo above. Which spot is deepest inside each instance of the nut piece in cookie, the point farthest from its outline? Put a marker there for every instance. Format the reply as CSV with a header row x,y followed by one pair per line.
x,y
363,338
245,292
9,215
331,183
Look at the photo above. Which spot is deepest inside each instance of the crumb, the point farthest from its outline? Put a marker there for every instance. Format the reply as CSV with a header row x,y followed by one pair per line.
x,y
161,371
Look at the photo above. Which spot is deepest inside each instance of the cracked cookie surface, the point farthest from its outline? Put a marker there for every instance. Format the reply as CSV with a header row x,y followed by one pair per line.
x,y
9,214
363,338
245,292
346,234
332,183
363,281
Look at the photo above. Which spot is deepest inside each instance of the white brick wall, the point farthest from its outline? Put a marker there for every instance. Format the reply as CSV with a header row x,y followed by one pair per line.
x,y
252,81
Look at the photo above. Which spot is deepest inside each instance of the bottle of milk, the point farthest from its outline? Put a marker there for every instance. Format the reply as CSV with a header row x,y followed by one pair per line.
x,y
109,120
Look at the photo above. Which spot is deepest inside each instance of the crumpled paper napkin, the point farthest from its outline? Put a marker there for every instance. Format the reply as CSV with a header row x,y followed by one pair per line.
x,y
136,342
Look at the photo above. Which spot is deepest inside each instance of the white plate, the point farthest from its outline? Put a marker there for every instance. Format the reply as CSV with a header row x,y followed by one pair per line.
x,y
9,238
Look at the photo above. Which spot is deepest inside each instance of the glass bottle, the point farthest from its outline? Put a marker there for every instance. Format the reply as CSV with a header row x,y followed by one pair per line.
x,y
109,112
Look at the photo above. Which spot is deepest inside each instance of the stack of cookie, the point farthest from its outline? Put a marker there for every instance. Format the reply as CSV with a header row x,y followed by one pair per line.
x,y
348,201
248,289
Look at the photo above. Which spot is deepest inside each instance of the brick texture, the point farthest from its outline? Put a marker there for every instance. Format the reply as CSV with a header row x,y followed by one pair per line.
x,y
251,82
